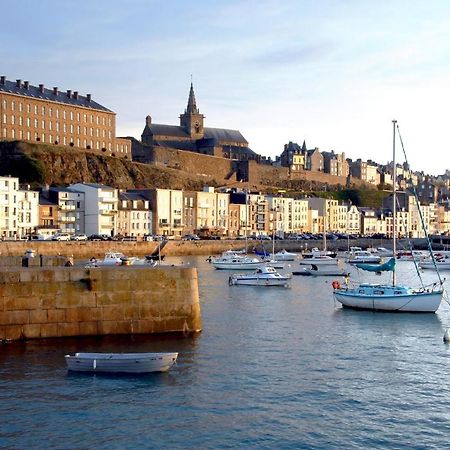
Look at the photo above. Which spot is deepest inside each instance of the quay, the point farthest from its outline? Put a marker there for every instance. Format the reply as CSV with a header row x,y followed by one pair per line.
x,y
52,301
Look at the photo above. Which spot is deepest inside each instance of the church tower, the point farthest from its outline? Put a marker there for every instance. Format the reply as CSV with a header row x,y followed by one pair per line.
x,y
192,120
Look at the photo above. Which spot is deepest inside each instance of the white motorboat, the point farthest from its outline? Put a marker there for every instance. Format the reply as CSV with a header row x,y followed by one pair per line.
x,y
111,259
439,263
381,251
316,252
283,255
389,297
324,271
121,362
265,276
410,255
363,256
320,260
234,261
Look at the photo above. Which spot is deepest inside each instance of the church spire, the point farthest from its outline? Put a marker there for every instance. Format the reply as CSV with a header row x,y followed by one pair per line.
x,y
192,105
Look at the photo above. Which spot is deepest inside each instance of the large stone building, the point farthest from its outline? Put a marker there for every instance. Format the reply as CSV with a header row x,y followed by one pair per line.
x,y
36,114
192,135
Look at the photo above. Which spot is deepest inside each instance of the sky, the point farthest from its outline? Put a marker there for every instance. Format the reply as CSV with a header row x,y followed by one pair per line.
x,y
331,72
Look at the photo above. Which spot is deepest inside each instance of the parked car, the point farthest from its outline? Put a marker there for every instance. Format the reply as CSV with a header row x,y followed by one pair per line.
x,y
129,239
79,237
61,237
99,237
191,237
148,238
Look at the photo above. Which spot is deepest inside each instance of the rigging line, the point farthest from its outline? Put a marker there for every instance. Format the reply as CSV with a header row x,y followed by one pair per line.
x,y
410,248
430,248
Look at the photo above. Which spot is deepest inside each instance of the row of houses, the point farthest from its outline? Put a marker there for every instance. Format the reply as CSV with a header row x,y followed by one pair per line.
x,y
97,209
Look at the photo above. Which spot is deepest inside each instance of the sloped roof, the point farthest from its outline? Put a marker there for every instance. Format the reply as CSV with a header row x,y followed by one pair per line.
x,y
219,134
47,94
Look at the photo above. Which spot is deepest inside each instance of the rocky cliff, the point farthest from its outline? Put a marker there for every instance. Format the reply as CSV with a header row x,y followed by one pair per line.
x,y
39,164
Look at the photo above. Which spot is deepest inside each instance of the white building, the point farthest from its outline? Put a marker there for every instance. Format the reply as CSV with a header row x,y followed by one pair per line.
x,y
19,209
101,206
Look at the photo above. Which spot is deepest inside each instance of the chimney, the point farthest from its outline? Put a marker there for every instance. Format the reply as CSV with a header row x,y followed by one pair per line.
x,y
26,85
148,120
75,95
18,83
69,93
41,88
2,79
88,97
55,90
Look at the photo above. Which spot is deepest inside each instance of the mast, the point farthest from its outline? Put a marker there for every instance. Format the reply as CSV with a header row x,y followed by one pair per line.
x,y
394,199
325,228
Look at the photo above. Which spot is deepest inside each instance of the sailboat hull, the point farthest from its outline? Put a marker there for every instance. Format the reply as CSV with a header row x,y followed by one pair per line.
x,y
380,300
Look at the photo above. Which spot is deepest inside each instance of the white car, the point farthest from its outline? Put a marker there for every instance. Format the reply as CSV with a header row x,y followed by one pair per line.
x,y
79,237
61,237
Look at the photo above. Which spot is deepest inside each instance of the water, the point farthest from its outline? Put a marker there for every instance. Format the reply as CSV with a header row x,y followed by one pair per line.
x,y
273,368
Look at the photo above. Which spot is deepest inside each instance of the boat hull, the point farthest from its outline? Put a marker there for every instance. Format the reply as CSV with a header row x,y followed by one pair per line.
x,y
237,266
430,265
418,302
120,363
259,281
318,262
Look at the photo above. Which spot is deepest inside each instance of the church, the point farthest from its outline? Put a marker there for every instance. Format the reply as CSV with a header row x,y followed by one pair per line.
x,y
191,135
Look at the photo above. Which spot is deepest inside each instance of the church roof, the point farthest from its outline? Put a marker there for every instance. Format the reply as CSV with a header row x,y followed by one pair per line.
x,y
219,134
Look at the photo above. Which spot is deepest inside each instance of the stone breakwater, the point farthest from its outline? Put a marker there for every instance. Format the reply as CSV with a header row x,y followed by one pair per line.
x,y
70,301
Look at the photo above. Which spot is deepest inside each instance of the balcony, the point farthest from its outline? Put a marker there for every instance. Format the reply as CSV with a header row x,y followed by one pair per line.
x,y
68,207
107,211
67,219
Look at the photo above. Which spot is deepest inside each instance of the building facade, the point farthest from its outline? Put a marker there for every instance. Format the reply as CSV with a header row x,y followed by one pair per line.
x,y
37,114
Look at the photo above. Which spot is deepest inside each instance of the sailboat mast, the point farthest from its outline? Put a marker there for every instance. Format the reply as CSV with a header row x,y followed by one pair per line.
x,y
394,199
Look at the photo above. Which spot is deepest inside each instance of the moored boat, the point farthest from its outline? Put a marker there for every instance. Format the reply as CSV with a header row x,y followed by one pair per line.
x,y
121,362
234,261
325,271
264,276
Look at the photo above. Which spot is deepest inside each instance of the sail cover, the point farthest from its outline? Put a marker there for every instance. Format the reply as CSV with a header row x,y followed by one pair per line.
x,y
388,266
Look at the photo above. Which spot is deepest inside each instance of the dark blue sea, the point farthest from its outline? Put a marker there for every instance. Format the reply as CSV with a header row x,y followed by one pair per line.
x,y
273,368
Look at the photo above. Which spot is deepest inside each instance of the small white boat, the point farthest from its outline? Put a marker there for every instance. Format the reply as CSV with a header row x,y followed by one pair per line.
x,y
121,362
441,264
283,255
316,252
265,276
321,260
325,271
363,256
381,251
233,261
407,255
275,264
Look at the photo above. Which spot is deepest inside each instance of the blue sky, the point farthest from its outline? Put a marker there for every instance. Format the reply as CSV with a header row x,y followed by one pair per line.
x,y
333,73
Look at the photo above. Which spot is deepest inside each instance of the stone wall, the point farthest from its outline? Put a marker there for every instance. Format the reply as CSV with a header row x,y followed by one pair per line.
x,y
193,163
71,301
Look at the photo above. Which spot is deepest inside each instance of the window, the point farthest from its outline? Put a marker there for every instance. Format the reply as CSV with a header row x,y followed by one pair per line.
x,y
43,110
13,105
71,115
50,111
36,123
20,107
64,114
35,109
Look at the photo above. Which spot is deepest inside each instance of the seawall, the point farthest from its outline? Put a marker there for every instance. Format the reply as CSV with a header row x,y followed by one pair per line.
x,y
87,250
71,301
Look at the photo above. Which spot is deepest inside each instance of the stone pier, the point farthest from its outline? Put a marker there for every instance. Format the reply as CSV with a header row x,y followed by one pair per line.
x,y
38,302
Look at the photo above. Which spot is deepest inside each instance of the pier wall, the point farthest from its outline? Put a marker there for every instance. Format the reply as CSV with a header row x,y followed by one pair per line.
x,y
71,301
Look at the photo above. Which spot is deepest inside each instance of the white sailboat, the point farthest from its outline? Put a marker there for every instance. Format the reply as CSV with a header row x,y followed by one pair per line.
x,y
390,297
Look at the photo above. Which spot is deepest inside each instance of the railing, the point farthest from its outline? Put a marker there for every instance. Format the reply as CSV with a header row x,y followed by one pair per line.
x,y
68,207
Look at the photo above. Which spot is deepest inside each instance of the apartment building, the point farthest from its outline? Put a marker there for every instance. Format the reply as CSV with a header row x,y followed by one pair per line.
x,y
100,207
19,209
134,217
37,114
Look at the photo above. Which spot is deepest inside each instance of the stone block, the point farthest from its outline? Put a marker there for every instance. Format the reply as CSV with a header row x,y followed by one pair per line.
x,y
13,332
88,328
11,276
114,312
31,330
114,327
82,314
62,274
49,330
131,312
56,315
21,303
67,299
38,316
14,317
27,276
68,329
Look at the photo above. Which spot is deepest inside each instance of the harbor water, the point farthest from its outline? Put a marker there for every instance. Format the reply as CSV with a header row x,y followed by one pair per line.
x,y
272,368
